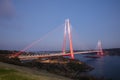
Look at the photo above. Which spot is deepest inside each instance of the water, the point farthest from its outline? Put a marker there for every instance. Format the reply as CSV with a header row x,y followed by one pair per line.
x,y
106,66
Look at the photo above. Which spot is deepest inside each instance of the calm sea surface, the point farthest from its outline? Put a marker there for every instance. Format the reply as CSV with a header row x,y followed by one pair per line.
x,y
107,66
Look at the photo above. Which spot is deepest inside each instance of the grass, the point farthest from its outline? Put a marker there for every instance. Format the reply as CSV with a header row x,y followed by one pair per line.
x,y
6,71
12,72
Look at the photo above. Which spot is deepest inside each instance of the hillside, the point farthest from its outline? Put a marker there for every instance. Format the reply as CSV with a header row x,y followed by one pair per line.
x,y
13,72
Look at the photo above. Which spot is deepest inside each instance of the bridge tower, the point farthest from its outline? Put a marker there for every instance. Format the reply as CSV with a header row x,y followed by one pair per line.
x,y
100,50
68,29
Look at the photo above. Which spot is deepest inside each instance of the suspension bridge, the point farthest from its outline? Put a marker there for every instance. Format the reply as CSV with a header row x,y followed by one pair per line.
x,y
71,53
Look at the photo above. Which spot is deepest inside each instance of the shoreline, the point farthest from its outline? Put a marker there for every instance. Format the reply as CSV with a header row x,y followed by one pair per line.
x,y
72,69
61,66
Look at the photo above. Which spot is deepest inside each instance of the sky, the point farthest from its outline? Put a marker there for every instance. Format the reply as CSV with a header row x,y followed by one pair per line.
x,y
24,22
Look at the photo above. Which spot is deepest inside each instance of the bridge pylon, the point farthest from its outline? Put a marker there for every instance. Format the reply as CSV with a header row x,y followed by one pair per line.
x,y
68,30
100,50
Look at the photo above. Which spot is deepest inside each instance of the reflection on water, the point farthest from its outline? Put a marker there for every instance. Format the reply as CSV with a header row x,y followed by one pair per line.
x,y
107,66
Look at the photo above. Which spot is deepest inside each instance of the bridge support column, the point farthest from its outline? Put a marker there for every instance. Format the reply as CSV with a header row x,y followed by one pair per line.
x,y
67,26
100,51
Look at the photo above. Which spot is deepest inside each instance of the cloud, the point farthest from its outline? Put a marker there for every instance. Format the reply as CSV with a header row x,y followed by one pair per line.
x,y
7,9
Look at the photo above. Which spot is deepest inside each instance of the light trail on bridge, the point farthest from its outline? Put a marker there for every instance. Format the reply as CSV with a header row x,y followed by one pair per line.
x,y
37,56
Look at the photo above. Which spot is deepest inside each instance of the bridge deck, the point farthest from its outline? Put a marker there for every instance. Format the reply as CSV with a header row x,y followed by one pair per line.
x,y
36,56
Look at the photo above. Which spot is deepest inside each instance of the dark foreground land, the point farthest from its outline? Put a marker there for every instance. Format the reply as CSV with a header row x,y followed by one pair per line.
x,y
14,72
72,69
